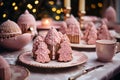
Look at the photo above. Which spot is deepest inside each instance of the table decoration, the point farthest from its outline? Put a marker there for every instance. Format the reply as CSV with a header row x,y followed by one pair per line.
x,y
67,8
81,12
81,5
78,58
11,36
27,23
46,22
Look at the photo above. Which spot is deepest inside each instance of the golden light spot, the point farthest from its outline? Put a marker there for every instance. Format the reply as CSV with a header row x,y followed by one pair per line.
x,y
36,2
53,9
16,8
100,4
34,10
4,15
93,6
51,2
1,4
58,11
13,4
61,9
57,17
29,6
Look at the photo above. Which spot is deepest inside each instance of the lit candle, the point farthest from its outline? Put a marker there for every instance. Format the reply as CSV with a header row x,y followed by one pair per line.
x,y
81,5
67,4
46,22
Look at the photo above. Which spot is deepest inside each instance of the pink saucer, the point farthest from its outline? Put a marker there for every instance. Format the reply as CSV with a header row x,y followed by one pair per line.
x,y
19,73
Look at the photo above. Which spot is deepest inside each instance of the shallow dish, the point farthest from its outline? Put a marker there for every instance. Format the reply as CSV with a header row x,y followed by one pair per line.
x,y
19,73
16,43
82,44
78,58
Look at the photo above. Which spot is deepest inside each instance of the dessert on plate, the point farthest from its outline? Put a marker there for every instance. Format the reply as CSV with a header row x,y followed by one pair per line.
x,y
90,33
103,32
73,30
11,36
55,46
27,23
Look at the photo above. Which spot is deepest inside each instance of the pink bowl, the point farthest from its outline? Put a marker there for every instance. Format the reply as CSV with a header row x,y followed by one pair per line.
x,y
16,43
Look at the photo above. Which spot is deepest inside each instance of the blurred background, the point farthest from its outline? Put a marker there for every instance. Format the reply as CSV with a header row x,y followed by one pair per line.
x,y
12,9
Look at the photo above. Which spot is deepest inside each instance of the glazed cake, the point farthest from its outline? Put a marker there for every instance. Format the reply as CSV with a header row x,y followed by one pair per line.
x,y
73,30
5,72
53,47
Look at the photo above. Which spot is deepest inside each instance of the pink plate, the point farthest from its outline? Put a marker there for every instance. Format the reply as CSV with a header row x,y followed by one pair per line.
x,y
19,73
82,44
78,58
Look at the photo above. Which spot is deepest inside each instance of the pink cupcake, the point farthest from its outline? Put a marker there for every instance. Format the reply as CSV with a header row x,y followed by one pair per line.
x,y
27,23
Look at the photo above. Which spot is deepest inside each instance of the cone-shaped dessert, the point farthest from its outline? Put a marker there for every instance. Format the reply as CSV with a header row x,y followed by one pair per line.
x,y
52,39
103,32
90,33
27,23
73,30
110,14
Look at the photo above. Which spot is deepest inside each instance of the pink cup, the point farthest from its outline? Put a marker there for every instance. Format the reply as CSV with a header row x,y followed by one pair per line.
x,y
105,49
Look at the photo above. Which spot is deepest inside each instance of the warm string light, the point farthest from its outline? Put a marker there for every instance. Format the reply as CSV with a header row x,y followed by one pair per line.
x,y
94,6
57,17
34,10
16,8
36,2
33,6
13,4
100,4
53,9
56,10
29,6
4,15
1,4
51,2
